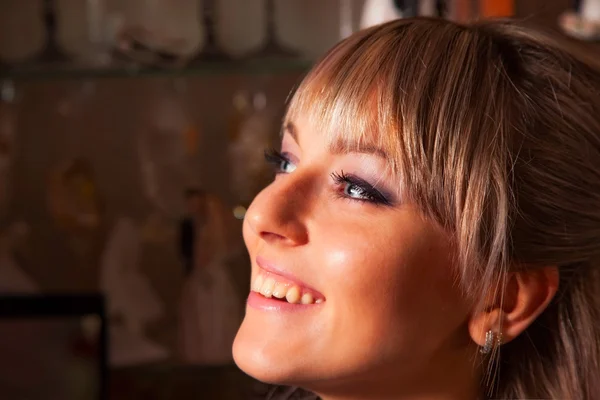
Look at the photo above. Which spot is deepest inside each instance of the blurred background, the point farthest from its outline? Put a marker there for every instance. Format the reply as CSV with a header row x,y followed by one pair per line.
x,y
132,135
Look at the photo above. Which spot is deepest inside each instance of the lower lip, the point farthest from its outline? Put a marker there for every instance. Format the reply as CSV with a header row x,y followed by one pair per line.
x,y
260,302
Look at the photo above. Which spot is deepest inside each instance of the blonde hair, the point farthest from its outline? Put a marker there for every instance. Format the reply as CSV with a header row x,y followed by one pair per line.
x,y
493,130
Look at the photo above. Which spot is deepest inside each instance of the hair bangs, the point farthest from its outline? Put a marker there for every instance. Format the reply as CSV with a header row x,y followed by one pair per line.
x,y
343,98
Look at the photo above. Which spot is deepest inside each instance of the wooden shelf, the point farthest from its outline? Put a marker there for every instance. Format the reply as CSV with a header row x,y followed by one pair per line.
x,y
265,66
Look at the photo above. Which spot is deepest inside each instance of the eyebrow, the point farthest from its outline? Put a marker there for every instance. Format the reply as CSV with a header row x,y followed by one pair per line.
x,y
340,145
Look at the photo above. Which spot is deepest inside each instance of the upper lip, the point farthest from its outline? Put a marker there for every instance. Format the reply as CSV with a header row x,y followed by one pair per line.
x,y
275,269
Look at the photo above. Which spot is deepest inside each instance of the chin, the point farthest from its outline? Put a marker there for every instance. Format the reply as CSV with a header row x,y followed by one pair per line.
x,y
264,359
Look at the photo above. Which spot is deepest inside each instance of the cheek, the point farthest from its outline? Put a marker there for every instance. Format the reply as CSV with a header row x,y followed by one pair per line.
x,y
387,291
376,266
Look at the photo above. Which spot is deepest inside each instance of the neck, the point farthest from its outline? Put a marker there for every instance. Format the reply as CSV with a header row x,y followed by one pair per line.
x,y
449,378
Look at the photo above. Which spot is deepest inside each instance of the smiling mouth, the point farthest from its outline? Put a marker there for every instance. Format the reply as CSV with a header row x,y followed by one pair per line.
x,y
274,287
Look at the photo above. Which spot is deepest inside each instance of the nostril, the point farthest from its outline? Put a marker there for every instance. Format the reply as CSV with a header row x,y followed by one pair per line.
x,y
271,236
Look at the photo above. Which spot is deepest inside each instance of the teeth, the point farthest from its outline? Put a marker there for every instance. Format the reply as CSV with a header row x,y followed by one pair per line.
x,y
307,298
280,290
257,284
267,287
293,295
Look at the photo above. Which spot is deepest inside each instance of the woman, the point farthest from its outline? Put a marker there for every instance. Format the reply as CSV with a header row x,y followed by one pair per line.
x,y
433,227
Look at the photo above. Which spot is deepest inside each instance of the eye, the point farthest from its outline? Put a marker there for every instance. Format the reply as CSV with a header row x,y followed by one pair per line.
x,y
280,162
354,191
358,189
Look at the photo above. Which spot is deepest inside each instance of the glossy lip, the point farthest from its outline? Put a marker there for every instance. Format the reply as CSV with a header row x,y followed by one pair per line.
x,y
273,269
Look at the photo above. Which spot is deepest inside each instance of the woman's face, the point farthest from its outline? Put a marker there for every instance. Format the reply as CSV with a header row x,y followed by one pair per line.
x,y
334,230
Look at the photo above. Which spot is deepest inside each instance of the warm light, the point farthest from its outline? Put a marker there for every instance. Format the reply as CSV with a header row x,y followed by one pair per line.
x,y
497,8
239,212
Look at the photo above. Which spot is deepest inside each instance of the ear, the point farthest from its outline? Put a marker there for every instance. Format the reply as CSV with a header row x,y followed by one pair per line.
x,y
526,296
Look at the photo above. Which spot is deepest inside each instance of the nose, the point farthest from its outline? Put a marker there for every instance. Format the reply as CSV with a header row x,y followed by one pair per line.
x,y
279,213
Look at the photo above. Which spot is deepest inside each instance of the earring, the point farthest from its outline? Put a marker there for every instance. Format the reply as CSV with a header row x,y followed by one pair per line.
x,y
489,341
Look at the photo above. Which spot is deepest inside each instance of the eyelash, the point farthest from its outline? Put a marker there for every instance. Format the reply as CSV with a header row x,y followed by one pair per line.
x,y
367,191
